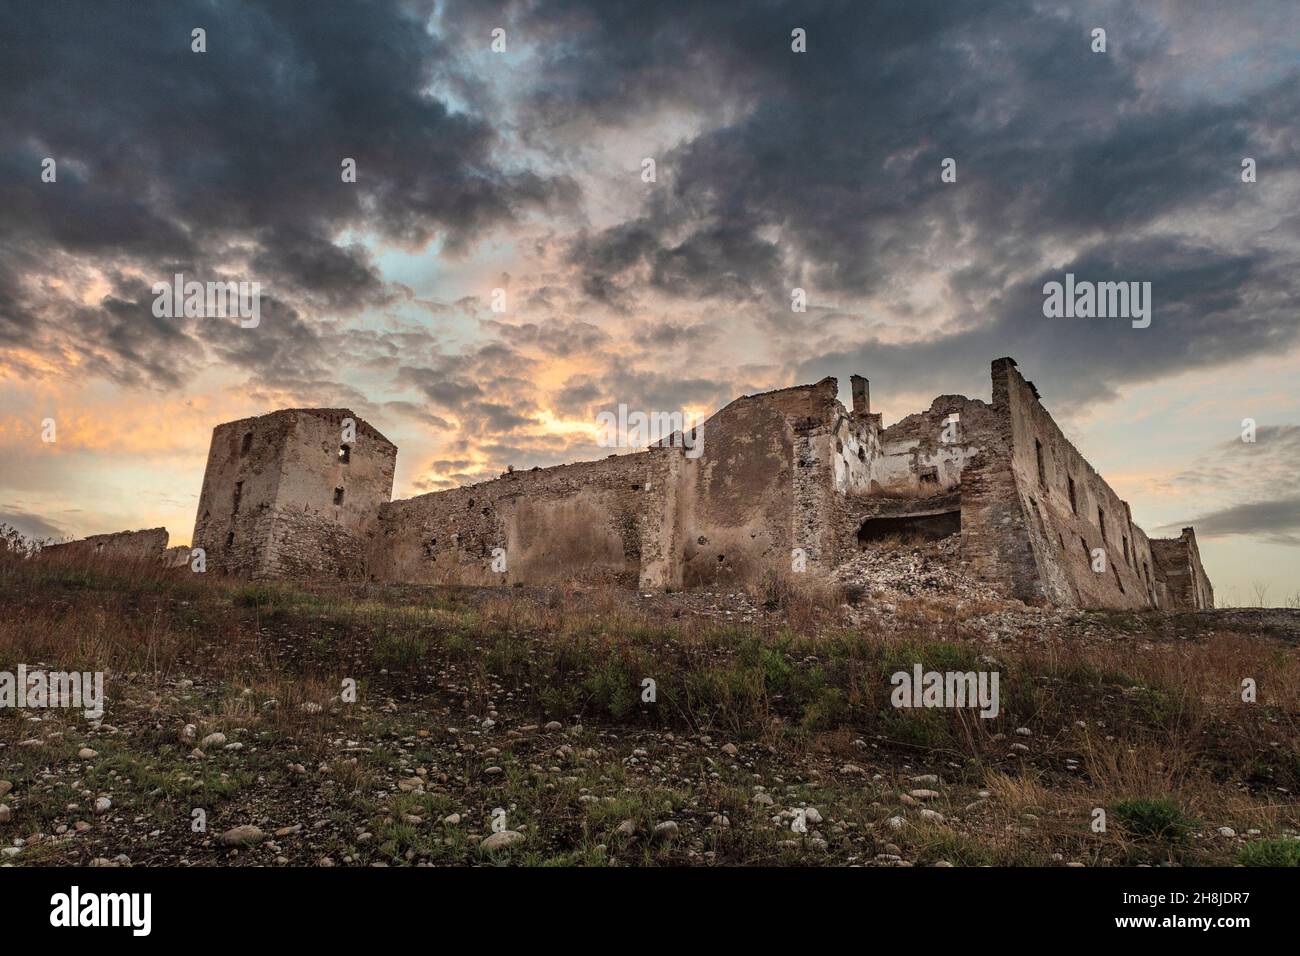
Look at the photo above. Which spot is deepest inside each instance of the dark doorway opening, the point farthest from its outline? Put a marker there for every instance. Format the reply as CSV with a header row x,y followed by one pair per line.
x,y
909,528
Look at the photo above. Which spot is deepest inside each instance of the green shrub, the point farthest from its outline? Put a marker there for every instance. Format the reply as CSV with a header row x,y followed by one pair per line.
x,y
1276,852
1158,818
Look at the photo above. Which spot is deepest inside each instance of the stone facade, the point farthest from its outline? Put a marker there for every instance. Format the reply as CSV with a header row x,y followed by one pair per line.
x,y
600,521
785,480
292,493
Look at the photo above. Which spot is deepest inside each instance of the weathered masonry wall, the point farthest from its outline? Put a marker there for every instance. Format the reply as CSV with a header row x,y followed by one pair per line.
x,y
328,496
611,520
737,500
279,497
120,546
916,461
234,523
1069,511
784,475
1180,573
994,534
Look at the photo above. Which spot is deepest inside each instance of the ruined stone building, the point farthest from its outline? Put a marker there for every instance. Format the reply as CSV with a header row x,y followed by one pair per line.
x,y
783,478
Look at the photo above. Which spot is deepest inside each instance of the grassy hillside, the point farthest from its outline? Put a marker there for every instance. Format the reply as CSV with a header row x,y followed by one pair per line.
x,y
232,699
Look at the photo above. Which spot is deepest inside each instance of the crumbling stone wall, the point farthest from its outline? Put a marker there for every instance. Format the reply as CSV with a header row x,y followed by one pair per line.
x,y
119,546
738,495
604,521
1069,510
1180,573
778,474
771,478
916,461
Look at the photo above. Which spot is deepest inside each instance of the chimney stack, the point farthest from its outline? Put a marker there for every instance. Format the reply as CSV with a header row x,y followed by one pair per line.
x,y
861,395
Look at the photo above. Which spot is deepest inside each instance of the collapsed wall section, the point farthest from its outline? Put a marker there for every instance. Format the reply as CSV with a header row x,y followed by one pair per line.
x,y
925,453
1180,574
119,546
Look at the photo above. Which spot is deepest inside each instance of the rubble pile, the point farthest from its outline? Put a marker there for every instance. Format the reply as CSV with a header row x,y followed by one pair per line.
x,y
924,569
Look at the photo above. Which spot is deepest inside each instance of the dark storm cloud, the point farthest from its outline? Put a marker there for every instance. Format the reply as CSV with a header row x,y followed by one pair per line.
x,y
818,170
585,396
1209,306
1276,521
828,176
417,413
231,158
495,417
443,391
552,337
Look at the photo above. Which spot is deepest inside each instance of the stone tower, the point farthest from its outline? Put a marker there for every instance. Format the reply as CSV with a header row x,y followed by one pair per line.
x,y
292,493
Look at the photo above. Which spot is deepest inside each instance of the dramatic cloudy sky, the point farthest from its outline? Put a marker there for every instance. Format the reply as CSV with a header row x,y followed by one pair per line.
x,y
479,170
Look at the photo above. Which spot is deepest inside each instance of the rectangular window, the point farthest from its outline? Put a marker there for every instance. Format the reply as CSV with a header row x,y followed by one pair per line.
x,y
248,443
239,493
1042,472
338,496
1074,502
345,454
1101,523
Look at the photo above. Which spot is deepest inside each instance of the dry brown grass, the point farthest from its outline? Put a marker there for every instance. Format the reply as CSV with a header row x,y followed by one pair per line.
x,y
1162,717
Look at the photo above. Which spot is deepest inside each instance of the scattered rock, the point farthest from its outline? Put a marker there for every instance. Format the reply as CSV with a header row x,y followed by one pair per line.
x,y
247,835
500,841
667,830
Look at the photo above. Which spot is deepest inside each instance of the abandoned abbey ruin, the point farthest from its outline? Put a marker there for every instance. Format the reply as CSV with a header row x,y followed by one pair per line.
x,y
784,478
